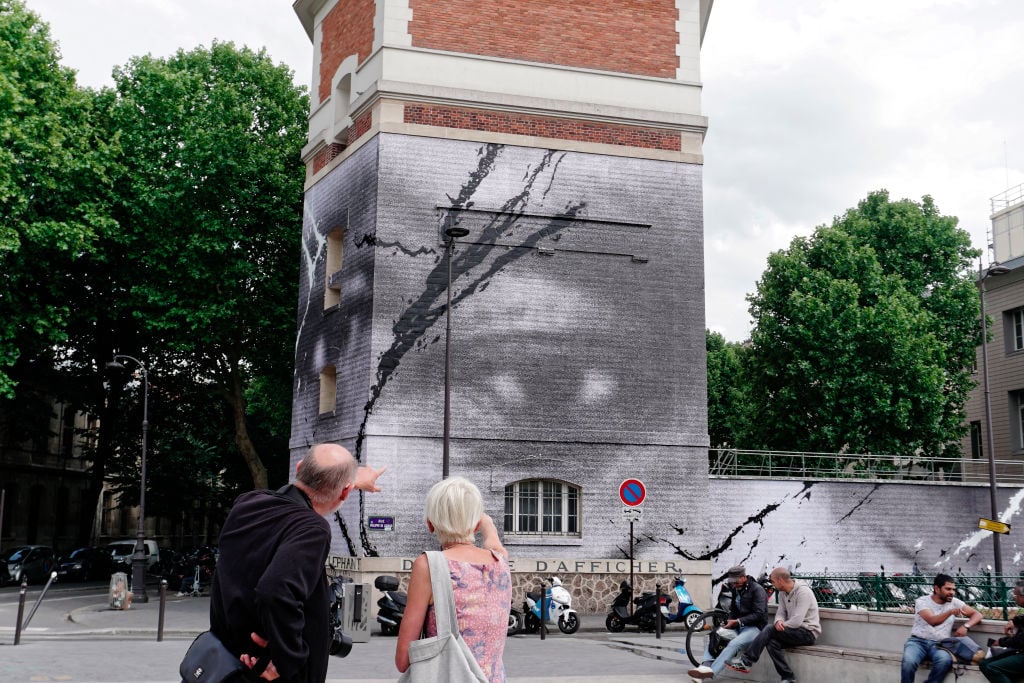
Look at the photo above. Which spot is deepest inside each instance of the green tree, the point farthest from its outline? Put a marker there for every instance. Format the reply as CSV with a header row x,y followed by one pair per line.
x,y
864,335
211,208
54,189
726,389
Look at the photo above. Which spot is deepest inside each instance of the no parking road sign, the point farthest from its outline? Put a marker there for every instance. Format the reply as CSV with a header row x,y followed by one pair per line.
x,y
632,492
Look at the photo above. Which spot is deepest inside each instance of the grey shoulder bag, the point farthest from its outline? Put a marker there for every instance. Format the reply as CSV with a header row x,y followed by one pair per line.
x,y
444,657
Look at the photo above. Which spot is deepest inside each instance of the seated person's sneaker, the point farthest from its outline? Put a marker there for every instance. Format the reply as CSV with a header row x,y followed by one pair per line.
x,y
740,664
701,672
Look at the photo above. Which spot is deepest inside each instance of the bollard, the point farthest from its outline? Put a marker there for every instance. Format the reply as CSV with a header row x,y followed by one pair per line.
x,y
32,613
658,616
543,611
21,611
163,606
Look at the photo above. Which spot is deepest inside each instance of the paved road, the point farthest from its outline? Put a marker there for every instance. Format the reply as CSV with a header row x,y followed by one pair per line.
x,y
76,638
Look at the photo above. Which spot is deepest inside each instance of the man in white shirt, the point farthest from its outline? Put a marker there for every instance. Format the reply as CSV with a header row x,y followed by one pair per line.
x,y
933,621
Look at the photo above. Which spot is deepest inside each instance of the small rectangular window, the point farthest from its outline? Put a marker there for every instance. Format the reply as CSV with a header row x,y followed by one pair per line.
x,y
1018,330
977,450
328,390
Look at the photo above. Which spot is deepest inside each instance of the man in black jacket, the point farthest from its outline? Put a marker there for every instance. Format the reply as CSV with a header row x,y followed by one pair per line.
x,y
748,614
269,600
1009,666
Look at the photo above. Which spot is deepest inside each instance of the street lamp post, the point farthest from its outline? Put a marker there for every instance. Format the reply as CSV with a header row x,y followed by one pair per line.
x,y
451,233
993,271
140,558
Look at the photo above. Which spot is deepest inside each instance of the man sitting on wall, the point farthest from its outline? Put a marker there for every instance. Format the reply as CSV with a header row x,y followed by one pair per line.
x,y
933,623
796,623
1009,666
748,614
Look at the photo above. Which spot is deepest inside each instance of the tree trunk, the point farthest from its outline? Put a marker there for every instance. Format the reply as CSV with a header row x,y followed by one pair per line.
x,y
236,397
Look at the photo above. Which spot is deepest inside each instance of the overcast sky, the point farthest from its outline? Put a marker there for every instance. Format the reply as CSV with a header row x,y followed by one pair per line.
x,y
812,104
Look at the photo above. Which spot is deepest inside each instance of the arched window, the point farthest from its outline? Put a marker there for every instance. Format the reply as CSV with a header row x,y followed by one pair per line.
x,y
542,506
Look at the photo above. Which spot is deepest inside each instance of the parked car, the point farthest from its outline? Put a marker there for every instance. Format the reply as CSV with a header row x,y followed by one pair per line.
x,y
33,563
85,564
122,552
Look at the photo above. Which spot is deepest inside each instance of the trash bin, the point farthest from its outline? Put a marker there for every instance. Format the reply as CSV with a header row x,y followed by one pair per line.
x,y
120,596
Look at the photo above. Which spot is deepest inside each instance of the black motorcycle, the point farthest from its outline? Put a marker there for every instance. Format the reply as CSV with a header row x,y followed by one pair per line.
x,y
391,606
645,611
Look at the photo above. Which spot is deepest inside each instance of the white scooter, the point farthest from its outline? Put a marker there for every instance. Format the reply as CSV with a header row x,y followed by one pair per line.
x,y
558,606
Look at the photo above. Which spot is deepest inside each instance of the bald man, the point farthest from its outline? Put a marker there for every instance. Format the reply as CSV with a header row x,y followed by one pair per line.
x,y
796,623
269,600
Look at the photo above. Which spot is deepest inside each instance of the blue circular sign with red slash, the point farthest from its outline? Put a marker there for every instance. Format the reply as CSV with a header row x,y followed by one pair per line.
x,y
632,492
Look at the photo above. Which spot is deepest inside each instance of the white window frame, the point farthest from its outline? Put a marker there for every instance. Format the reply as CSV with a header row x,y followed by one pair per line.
x,y
1017,318
543,507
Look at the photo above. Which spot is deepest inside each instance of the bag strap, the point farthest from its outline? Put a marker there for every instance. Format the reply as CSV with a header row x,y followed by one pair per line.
x,y
444,596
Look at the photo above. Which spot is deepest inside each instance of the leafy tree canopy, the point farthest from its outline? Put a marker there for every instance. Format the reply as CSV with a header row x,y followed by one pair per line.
x,y
211,204
54,185
864,335
726,389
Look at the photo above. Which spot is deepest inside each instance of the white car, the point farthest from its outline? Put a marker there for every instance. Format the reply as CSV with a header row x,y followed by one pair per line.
x,y
121,552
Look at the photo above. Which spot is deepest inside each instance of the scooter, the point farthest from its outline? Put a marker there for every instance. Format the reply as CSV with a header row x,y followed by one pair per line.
x,y
391,606
687,613
516,621
644,615
558,605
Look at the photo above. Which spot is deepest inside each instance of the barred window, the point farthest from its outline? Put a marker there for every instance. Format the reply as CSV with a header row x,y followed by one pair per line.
x,y
542,506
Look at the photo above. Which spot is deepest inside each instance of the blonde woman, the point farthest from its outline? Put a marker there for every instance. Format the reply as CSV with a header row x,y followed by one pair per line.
x,y
480,578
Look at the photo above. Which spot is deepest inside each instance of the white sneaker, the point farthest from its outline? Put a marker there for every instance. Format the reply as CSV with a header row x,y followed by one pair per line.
x,y
701,672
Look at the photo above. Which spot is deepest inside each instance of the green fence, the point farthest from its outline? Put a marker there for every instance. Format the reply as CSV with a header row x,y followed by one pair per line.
x,y
879,592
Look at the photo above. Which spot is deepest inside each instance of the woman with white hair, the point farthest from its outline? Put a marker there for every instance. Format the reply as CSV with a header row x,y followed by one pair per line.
x,y
480,578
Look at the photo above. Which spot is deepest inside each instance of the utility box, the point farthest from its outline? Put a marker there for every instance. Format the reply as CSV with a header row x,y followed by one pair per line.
x,y
355,612
120,596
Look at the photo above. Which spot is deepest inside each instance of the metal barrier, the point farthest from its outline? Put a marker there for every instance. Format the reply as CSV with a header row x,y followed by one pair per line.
x,y
732,462
878,592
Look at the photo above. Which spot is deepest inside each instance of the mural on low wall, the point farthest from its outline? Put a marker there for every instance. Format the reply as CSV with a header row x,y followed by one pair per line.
x,y
850,526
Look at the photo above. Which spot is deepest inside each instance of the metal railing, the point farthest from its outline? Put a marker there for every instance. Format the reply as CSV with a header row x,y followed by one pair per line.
x,y
877,592
1007,198
801,465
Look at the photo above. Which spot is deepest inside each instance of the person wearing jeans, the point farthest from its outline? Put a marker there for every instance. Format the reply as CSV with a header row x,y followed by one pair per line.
x,y
1009,666
796,623
747,613
933,622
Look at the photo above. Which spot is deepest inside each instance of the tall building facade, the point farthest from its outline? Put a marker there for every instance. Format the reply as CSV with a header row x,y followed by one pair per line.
x,y
565,140
1004,303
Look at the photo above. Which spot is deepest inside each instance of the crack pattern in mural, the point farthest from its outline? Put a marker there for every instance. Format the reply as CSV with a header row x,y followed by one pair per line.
x,y
430,306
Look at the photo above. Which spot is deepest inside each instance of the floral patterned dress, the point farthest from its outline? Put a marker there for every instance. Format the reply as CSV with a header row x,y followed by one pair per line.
x,y
483,594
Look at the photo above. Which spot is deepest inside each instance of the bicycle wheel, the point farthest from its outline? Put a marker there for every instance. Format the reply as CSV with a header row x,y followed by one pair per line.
x,y
705,626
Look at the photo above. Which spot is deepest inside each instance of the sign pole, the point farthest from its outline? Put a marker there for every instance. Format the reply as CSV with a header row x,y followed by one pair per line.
x,y
631,565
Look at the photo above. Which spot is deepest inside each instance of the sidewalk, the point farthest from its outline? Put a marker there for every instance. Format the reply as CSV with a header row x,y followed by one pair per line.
x,y
592,655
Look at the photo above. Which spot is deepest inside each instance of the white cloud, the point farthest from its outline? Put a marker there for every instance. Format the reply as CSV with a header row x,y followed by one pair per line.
x,y
814,104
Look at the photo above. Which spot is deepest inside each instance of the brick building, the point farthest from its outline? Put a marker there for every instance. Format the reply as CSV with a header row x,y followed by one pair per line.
x,y
567,139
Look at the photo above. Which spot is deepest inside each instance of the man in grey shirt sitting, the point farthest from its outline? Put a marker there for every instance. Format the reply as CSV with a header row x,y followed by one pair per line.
x,y
796,623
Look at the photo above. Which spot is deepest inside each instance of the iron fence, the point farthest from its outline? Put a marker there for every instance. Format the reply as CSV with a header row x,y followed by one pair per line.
x,y
878,592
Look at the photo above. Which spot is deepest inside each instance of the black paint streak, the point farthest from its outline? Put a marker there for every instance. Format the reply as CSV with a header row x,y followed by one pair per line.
x,y
858,505
422,312
344,528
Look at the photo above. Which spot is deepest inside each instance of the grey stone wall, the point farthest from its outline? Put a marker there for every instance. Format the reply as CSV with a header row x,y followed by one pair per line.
x,y
848,526
578,334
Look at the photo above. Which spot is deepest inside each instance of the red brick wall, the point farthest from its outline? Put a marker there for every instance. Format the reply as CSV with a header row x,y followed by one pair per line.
x,y
358,128
542,126
347,30
629,36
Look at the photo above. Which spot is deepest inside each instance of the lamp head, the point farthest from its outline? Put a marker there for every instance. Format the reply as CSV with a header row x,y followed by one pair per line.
x,y
994,269
455,232
114,366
